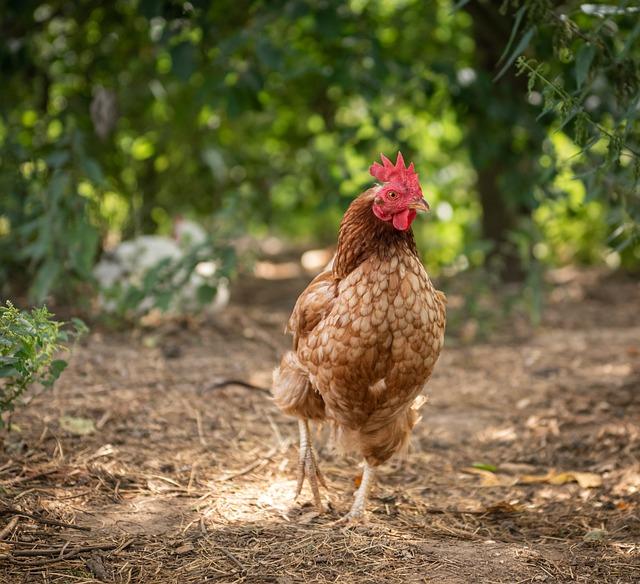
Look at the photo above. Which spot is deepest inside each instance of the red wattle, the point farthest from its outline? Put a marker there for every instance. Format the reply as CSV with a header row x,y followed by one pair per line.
x,y
402,220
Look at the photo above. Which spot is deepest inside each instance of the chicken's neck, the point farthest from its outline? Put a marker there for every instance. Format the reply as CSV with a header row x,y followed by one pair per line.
x,y
362,235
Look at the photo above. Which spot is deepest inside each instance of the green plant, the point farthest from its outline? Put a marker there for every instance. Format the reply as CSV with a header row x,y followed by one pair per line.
x,y
582,62
29,341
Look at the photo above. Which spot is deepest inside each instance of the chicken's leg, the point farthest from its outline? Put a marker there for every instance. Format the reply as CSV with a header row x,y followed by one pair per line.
x,y
308,467
358,509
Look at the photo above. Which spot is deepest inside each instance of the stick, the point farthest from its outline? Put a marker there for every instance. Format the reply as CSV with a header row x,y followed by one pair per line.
x,y
17,480
15,511
77,550
203,442
233,559
239,382
443,511
8,528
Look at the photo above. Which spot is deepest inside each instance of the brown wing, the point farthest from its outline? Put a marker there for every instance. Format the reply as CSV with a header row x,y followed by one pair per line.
x,y
312,306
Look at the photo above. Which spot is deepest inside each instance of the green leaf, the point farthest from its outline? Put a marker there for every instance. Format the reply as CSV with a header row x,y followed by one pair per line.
x,y
57,159
631,39
183,60
44,280
58,186
163,300
8,371
206,294
584,58
520,48
77,426
79,327
514,31
85,240
92,169
572,114
485,466
57,367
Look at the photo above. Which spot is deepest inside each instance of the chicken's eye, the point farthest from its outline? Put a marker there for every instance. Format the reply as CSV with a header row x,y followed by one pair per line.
x,y
392,195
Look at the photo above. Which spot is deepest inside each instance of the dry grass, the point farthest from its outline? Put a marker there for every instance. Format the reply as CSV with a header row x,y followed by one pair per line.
x,y
187,481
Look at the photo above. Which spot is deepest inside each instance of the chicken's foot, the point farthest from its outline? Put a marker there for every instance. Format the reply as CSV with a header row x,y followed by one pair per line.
x,y
308,466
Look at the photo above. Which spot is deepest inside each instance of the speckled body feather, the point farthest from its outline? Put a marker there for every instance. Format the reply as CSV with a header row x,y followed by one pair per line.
x,y
367,335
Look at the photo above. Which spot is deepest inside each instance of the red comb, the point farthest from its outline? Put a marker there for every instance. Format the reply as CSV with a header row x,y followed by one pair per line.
x,y
398,173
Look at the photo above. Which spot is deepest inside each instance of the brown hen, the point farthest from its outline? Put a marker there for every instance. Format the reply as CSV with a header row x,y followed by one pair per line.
x,y
366,333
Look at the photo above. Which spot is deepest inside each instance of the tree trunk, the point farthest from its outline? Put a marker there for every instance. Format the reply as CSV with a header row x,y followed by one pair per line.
x,y
498,220
486,113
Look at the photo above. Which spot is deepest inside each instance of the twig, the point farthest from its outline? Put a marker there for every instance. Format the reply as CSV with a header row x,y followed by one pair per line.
x,y
198,416
80,549
61,556
233,559
15,511
238,382
17,480
443,511
169,481
8,528
76,550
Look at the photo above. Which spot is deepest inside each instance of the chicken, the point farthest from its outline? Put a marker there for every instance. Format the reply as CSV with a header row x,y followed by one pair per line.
x,y
367,333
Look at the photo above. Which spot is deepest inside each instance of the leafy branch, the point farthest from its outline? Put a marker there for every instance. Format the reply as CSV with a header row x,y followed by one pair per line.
x,y
570,106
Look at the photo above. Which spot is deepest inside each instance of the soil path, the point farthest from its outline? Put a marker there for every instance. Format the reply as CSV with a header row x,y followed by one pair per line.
x,y
183,481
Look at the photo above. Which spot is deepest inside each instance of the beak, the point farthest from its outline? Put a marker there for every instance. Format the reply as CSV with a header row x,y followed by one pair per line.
x,y
419,205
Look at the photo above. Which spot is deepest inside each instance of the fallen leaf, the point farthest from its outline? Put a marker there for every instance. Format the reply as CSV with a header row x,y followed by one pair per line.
x,y
587,480
517,468
185,549
531,479
150,341
489,479
77,426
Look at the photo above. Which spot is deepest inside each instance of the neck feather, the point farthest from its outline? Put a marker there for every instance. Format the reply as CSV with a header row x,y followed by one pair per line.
x,y
362,235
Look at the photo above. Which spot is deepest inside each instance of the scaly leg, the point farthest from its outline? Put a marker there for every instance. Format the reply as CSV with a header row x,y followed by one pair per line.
x,y
358,509
308,467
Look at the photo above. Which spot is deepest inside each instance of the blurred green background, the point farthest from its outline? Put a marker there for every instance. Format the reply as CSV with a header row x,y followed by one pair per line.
x,y
258,118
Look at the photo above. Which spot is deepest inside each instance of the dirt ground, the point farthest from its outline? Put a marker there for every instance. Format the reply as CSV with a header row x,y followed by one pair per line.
x,y
158,474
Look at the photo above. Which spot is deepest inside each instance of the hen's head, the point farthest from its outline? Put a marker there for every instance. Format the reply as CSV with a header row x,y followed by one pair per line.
x,y
399,197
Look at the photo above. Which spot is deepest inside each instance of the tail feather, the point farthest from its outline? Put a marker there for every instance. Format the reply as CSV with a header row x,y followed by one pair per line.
x,y
293,392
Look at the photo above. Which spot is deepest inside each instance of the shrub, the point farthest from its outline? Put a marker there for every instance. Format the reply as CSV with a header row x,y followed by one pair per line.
x,y
29,342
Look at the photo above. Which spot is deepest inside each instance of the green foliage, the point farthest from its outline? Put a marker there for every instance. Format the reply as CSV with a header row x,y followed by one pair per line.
x,y
589,88
29,341
116,117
